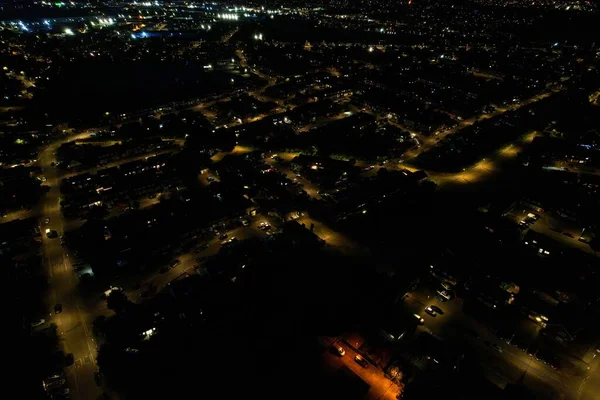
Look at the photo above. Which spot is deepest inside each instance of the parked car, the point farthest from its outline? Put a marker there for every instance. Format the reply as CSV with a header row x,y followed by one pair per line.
x,y
440,298
98,377
446,285
519,343
36,323
496,347
59,393
54,384
223,236
473,334
446,294
420,319
430,311
338,350
58,308
56,375
361,361
264,226
174,263
437,310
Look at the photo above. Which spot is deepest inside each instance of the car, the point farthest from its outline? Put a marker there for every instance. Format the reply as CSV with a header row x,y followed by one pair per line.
x,y
229,241
56,375
58,308
472,334
533,216
420,319
174,263
210,179
59,393
148,290
440,298
245,222
47,221
111,289
98,377
496,347
51,234
36,323
519,343
264,226
361,361
54,384
446,285
338,350
437,310
430,311
201,248
445,294
223,236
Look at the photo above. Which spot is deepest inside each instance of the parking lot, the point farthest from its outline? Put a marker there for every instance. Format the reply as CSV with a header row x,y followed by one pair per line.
x,y
550,224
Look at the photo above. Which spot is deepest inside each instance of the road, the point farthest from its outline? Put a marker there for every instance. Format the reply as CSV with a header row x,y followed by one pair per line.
x,y
311,189
590,387
555,227
512,365
333,238
188,260
380,388
74,323
39,211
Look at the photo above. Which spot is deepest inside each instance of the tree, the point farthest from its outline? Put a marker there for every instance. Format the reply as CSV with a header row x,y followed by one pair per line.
x,y
99,325
118,301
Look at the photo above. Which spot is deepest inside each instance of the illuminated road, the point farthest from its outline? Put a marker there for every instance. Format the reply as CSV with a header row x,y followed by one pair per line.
x,y
380,388
334,239
428,142
188,261
74,323
590,387
511,366
480,171
38,211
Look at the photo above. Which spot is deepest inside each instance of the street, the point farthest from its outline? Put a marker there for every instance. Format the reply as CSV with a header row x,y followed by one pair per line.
x,y
74,323
512,365
380,387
